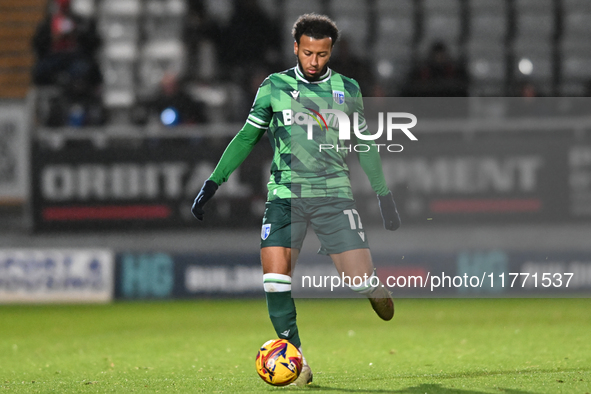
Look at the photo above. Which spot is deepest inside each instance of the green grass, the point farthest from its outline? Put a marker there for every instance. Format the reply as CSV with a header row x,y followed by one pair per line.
x,y
431,346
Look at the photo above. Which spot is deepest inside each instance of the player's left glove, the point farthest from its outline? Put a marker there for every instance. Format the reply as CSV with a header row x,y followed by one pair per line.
x,y
207,191
389,212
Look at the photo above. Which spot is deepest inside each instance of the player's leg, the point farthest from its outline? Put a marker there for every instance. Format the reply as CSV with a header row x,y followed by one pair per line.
x,y
357,265
277,255
341,234
276,263
281,240
356,262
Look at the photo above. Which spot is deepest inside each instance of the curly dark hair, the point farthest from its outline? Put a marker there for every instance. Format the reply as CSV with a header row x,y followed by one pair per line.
x,y
315,26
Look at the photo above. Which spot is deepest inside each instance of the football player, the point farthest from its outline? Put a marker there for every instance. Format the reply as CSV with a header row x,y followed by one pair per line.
x,y
308,186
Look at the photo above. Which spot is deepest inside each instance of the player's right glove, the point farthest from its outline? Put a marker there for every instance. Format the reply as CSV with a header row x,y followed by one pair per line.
x,y
207,191
389,212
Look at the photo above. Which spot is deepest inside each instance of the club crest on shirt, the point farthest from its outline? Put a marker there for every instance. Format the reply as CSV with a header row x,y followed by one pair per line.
x,y
265,231
339,97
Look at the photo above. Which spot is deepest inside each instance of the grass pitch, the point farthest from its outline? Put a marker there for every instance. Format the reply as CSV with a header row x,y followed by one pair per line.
x,y
431,346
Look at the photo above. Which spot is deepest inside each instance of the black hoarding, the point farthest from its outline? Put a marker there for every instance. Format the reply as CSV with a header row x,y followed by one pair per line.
x,y
466,273
474,161
144,183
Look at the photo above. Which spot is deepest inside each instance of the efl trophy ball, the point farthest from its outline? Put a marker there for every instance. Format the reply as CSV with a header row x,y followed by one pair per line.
x,y
279,362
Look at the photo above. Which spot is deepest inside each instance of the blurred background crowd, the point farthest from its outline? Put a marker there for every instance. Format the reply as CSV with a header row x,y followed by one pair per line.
x,y
96,62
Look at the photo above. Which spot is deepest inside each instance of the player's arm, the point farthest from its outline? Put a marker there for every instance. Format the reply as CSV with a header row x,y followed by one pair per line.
x,y
238,149
372,166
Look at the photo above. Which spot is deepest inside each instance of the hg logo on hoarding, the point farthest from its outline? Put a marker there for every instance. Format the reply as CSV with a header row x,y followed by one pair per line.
x,y
338,119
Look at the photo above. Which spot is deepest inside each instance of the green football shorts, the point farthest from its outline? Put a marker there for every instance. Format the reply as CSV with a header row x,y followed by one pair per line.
x,y
335,221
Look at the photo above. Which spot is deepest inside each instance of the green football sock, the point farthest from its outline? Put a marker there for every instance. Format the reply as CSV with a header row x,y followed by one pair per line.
x,y
281,307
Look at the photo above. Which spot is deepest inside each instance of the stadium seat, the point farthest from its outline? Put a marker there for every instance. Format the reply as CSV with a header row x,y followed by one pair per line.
x,y
441,22
118,65
533,60
576,26
487,68
540,50
487,62
535,25
572,6
442,27
535,21
488,20
163,19
576,23
398,8
349,26
533,43
120,51
487,6
85,8
121,7
118,98
576,67
270,6
351,16
348,7
220,10
166,7
121,29
485,47
158,58
395,31
157,27
293,9
534,6
449,7
394,63
483,27
395,36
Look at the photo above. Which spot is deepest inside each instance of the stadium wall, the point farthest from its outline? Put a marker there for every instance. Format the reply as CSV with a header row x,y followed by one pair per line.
x,y
102,275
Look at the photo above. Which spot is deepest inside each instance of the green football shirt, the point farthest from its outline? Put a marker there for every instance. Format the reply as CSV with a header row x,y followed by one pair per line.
x,y
289,108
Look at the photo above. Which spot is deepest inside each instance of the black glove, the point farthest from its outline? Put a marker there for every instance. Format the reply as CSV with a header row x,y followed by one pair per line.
x,y
207,192
389,212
